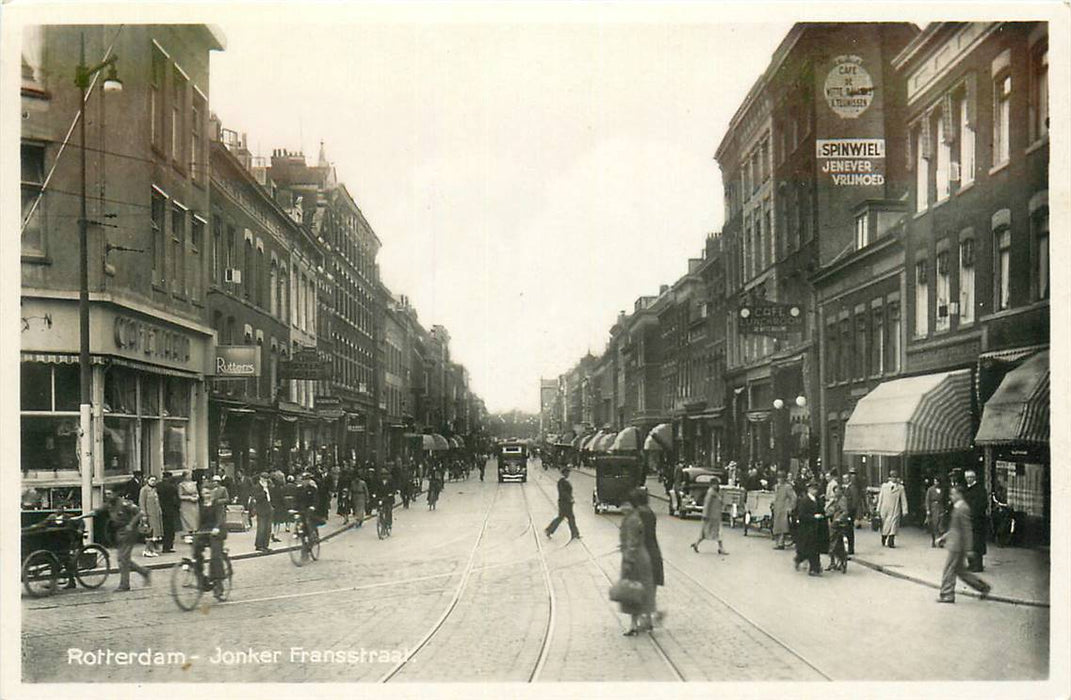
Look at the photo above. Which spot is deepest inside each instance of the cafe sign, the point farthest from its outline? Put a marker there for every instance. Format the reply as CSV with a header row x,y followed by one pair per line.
x,y
237,361
769,318
849,89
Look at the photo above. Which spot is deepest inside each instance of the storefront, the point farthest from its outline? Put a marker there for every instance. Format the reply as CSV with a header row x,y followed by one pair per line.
x,y
149,404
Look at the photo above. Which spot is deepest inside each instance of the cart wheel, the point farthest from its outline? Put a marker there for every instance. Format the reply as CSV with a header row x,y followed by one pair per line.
x,y
92,570
40,573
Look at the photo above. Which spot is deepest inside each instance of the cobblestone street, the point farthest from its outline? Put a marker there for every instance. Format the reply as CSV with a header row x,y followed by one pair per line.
x,y
461,594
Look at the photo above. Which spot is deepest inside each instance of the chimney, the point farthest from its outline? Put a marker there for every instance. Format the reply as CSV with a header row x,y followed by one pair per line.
x,y
662,289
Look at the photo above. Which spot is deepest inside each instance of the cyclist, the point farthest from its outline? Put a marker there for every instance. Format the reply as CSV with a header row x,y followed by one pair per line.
x,y
306,501
212,531
385,498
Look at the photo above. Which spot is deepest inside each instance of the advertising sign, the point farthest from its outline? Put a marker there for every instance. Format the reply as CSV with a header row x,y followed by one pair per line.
x,y
848,87
851,162
306,363
769,318
237,361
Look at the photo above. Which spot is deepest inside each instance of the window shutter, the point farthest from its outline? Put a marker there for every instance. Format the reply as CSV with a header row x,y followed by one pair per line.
x,y
948,119
927,136
970,94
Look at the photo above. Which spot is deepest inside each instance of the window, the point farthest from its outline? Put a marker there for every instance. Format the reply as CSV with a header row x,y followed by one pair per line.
x,y
844,367
247,265
260,290
198,166
33,181
922,300
1040,224
197,235
1002,268
966,145
273,290
892,346
1039,92
156,99
768,227
805,217
943,291
922,171
966,281
942,171
760,244
1002,88
158,244
860,351
748,264
877,339
178,250
217,248
862,231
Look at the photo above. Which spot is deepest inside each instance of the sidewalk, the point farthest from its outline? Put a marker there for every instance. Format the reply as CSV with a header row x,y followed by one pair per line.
x,y
1018,575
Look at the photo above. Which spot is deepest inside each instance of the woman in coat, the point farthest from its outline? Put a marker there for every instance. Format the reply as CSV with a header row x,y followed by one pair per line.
x,y
935,511
713,506
636,566
188,502
435,485
650,540
359,495
783,504
149,503
892,505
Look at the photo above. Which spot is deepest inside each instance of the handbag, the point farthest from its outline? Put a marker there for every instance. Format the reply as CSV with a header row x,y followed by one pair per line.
x,y
627,592
144,526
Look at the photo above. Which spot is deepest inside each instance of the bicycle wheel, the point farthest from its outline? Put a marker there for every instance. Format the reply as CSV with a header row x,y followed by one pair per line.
x,y
40,573
228,579
314,545
298,552
92,565
381,527
185,585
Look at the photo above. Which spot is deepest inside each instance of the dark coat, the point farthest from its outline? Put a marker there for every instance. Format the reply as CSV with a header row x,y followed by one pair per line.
x,y
167,490
261,502
565,495
809,539
977,498
650,539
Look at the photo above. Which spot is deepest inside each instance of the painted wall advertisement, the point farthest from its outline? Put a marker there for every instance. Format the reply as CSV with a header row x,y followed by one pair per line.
x,y
852,162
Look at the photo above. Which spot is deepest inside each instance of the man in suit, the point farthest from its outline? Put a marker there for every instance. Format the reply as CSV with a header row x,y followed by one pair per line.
x,y
959,542
857,505
167,490
808,533
263,508
565,507
978,500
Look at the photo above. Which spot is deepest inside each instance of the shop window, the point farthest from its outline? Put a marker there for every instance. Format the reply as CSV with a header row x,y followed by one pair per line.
x,y
35,387
922,299
120,446
120,391
33,182
49,444
176,397
175,445
943,292
68,387
1002,89
150,395
966,281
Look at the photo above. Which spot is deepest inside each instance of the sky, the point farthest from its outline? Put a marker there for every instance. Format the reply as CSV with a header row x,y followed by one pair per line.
x,y
527,180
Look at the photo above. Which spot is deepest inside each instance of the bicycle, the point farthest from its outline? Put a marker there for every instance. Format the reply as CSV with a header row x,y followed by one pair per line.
x,y
838,550
384,520
189,580
56,547
307,538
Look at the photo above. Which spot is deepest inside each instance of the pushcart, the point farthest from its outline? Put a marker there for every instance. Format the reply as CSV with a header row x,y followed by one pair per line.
x,y
758,514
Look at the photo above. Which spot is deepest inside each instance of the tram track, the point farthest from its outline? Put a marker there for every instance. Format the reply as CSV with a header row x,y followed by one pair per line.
x,y
710,593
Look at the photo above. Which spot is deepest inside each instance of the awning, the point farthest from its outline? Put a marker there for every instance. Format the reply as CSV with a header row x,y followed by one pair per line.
x,y
603,443
567,436
426,442
1019,409
627,440
439,443
758,416
928,414
586,442
660,438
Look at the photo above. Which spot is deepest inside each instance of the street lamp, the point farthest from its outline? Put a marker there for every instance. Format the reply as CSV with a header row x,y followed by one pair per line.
x,y
82,77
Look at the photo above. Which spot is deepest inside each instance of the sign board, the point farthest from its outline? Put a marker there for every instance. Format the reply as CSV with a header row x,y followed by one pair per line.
x,y
329,406
355,428
849,89
237,361
769,318
851,162
306,363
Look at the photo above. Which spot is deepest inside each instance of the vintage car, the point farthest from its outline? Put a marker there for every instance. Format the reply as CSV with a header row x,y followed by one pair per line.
x,y
615,477
512,461
687,497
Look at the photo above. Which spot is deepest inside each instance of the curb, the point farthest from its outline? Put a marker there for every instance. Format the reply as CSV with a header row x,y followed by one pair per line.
x,y
881,569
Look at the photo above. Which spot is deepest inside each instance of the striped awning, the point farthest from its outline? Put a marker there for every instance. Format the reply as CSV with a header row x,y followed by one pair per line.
x,y
627,440
604,442
58,358
660,438
928,414
1019,409
439,443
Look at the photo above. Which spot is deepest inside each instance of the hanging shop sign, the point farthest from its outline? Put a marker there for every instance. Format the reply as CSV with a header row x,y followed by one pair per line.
x,y
237,361
849,89
768,318
852,162
307,363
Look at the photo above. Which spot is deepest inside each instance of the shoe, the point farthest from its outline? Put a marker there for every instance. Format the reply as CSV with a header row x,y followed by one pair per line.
x,y
796,565
632,632
168,551
892,546
547,533
723,552
814,573
276,539
984,593
147,578
121,589
695,547
779,546
946,600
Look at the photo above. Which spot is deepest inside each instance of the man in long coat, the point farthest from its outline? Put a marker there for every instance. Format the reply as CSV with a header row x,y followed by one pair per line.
x,y
857,505
975,496
958,541
892,505
783,504
565,507
263,507
808,532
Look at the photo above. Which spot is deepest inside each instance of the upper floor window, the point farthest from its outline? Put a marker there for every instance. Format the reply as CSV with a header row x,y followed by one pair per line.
x,y
966,143
943,170
33,182
217,248
1002,89
943,291
1039,222
922,170
1039,92
892,347
197,235
966,281
156,98
178,250
1002,267
922,299
198,165
159,254
862,231
179,152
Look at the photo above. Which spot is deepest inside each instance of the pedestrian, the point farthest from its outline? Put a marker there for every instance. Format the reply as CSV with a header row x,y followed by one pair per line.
x,y
149,504
131,490
784,503
857,506
291,492
124,515
808,531
838,521
188,502
359,496
978,500
435,486
959,541
279,513
170,506
481,464
713,505
935,510
262,506
635,565
344,507
565,507
892,505
654,552
831,484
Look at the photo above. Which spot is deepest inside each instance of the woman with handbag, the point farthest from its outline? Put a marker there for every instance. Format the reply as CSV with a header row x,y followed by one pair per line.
x,y
149,504
635,591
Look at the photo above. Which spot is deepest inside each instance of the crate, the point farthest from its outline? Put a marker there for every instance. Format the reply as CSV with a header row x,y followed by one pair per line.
x,y
238,519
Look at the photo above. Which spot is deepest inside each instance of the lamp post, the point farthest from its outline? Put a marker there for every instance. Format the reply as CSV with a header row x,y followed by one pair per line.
x,y
82,77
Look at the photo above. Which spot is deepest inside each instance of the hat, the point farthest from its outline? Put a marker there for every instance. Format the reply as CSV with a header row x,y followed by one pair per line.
x,y
217,477
852,470
265,475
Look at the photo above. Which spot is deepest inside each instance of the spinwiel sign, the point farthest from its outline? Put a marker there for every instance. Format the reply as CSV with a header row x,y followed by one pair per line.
x,y
237,361
852,161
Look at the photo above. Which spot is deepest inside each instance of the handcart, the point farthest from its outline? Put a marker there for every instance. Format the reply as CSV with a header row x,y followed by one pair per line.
x,y
758,514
